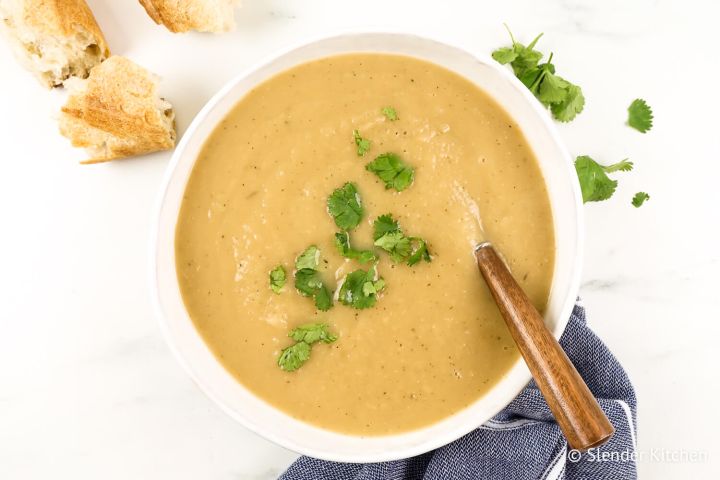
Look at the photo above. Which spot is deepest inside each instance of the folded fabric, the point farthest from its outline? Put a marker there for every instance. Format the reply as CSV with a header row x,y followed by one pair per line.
x,y
522,441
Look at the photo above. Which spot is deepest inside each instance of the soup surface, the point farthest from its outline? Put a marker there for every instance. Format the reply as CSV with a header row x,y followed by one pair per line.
x,y
434,342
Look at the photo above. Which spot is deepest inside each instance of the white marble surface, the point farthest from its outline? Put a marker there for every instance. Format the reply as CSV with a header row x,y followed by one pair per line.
x,y
88,388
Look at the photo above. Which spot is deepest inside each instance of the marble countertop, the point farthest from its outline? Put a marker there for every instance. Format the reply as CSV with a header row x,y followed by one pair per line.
x,y
88,388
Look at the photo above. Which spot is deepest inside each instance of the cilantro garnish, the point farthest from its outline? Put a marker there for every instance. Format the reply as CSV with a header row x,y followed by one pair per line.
x,y
639,199
308,281
390,113
640,116
294,356
388,236
360,288
310,258
277,278
345,206
363,144
392,170
594,182
311,333
342,242
564,99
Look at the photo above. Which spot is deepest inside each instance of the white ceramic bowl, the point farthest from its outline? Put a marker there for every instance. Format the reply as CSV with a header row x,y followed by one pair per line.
x,y
266,420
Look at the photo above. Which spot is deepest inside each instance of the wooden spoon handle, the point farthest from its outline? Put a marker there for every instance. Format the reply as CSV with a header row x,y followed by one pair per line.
x,y
577,412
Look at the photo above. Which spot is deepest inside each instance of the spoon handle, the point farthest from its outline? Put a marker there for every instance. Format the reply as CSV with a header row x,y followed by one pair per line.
x,y
577,412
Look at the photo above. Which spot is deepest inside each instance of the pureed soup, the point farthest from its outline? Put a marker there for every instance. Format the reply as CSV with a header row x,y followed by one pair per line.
x,y
330,146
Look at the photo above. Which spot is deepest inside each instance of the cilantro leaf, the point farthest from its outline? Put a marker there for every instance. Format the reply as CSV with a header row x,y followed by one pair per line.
x,y
639,199
342,242
345,206
277,278
311,333
390,113
294,356
388,236
363,144
360,288
640,116
520,57
310,258
564,99
568,108
396,244
392,170
308,281
505,55
621,166
594,182
323,299
384,224
419,253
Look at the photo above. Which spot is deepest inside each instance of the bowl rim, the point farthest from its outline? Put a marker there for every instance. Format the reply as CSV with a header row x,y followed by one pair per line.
x,y
522,378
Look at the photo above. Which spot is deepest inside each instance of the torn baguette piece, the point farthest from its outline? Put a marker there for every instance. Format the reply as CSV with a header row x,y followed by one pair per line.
x,y
215,16
55,39
117,112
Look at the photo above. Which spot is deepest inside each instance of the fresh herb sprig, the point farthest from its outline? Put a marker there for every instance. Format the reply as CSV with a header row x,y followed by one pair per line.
x,y
401,248
295,356
345,206
359,289
594,182
277,279
308,281
390,168
342,243
640,116
639,199
564,99
362,144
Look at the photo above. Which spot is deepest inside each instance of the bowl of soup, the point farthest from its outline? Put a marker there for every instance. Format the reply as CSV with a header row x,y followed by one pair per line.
x,y
312,261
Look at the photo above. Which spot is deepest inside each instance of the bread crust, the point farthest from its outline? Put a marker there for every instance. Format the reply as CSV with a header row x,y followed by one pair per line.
x,y
184,15
117,113
31,24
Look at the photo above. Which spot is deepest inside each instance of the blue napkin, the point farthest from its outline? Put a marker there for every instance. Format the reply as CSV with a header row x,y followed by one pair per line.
x,y
522,441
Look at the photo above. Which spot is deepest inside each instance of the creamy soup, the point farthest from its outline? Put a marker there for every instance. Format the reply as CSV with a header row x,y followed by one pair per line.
x,y
434,342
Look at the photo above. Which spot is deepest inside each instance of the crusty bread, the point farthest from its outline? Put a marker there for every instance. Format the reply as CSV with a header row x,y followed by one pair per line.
x,y
202,15
55,39
117,112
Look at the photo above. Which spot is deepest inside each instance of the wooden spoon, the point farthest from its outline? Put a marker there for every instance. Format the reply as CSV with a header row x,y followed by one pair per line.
x,y
577,412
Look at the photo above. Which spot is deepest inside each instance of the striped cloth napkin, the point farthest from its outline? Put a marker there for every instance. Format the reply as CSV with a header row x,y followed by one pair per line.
x,y
522,441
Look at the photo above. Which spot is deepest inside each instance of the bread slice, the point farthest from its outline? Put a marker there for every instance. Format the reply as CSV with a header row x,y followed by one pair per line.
x,y
55,39
117,112
202,15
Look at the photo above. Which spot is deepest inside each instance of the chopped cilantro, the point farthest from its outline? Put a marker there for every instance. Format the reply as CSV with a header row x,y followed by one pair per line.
x,y
520,57
342,242
294,356
311,333
390,113
310,258
388,236
345,206
308,281
594,182
360,288
639,199
392,170
277,278
640,116
363,144
564,99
